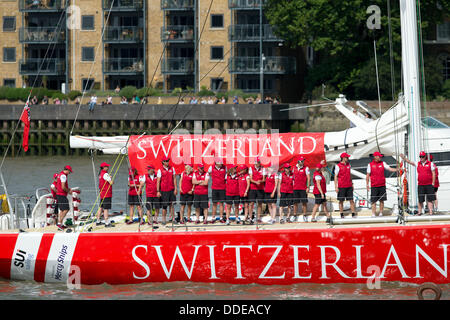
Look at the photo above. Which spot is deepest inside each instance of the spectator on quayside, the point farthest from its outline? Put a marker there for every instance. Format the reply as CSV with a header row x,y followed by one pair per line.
x,y
203,101
218,172
186,192
235,100
193,100
232,193
123,100
166,188
426,178
62,189
258,100
136,100
105,183
285,191
436,186
45,100
210,100
343,184
223,100
34,101
200,180
92,103
56,101
109,99
77,101
135,194
117,90
181,101
302,181
375,175
153,202
319,191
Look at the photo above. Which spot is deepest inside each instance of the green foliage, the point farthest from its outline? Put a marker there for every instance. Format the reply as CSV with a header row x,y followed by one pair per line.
x,y
204,92
74,94
128,92
148,92
446,89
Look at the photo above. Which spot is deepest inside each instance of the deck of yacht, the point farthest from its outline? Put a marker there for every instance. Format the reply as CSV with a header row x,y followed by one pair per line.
x,y
364,220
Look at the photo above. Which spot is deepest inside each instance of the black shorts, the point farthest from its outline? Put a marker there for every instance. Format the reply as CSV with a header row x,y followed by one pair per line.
x,y
232,200
186,199
243,200
153,203
378,194
201,201
286,199
255,195
133,200
105,203
300,196
218,196
345,194
167,198
426,191
63,203
269,199
436,189
319,199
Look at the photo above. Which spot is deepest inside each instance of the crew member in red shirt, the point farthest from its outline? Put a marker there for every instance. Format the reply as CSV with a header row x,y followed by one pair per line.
x,y
270,191
375,176
244,187
426,178
186,192
135,182
105,185
217,174
62,189
302,181
200,180
53,191
232,193
436,185
320,191
256,193
286,191
166,188
344,184
153,202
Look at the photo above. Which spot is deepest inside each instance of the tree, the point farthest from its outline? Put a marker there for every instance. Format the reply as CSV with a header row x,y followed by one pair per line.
x,y
337,31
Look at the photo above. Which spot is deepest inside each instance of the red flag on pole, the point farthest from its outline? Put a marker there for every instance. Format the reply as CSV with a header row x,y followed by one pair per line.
x,y
25,118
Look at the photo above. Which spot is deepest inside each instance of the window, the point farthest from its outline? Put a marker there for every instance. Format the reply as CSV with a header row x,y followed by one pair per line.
x,y
9,83
216,53
87,84
217,21
87,54
444,59
443,31
9,23
216,84
87,23
9,54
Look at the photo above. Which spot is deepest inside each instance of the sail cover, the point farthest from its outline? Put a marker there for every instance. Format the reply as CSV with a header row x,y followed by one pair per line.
x,y
233,149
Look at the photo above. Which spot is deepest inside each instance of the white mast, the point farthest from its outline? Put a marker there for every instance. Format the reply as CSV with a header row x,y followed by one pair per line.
x,y
411,90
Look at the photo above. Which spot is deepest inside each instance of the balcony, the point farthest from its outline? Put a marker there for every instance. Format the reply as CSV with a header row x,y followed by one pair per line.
x,y
42,35
272,65
177,33
123,66
123,35
52,67
41,5
250,32
177,4
123,5
245,4
177,66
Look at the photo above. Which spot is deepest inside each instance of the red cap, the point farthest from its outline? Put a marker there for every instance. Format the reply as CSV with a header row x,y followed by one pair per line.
x,y
165,159
287,165
422,154
218,161
301,158
242,167
258,160
201,165
55,175
232,166
150,166
68,168
104,164
319,166
377,154
345,155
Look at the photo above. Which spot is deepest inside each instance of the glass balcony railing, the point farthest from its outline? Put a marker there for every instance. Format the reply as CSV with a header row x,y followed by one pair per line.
x,y
250,32
42,66
177,65
42,35
177,4
42,5
123,65
123,34
126,5
177,33
272,65
245,4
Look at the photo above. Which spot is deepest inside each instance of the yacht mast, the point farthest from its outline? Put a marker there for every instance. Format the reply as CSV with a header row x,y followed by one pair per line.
x,y
411,90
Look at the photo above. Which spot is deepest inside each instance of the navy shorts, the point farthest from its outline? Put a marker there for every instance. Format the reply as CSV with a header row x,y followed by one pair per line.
x,y
255,195
300,196
378,194
269,199
232,200
63,203
133,200
186,199
345,194
153,203
106,203
319,199
201,201
426,192
286,199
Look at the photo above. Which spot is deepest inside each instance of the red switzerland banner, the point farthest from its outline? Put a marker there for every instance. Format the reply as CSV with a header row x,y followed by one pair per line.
x,y
271,149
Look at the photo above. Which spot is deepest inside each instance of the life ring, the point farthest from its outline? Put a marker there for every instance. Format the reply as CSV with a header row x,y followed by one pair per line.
x,y
429,286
